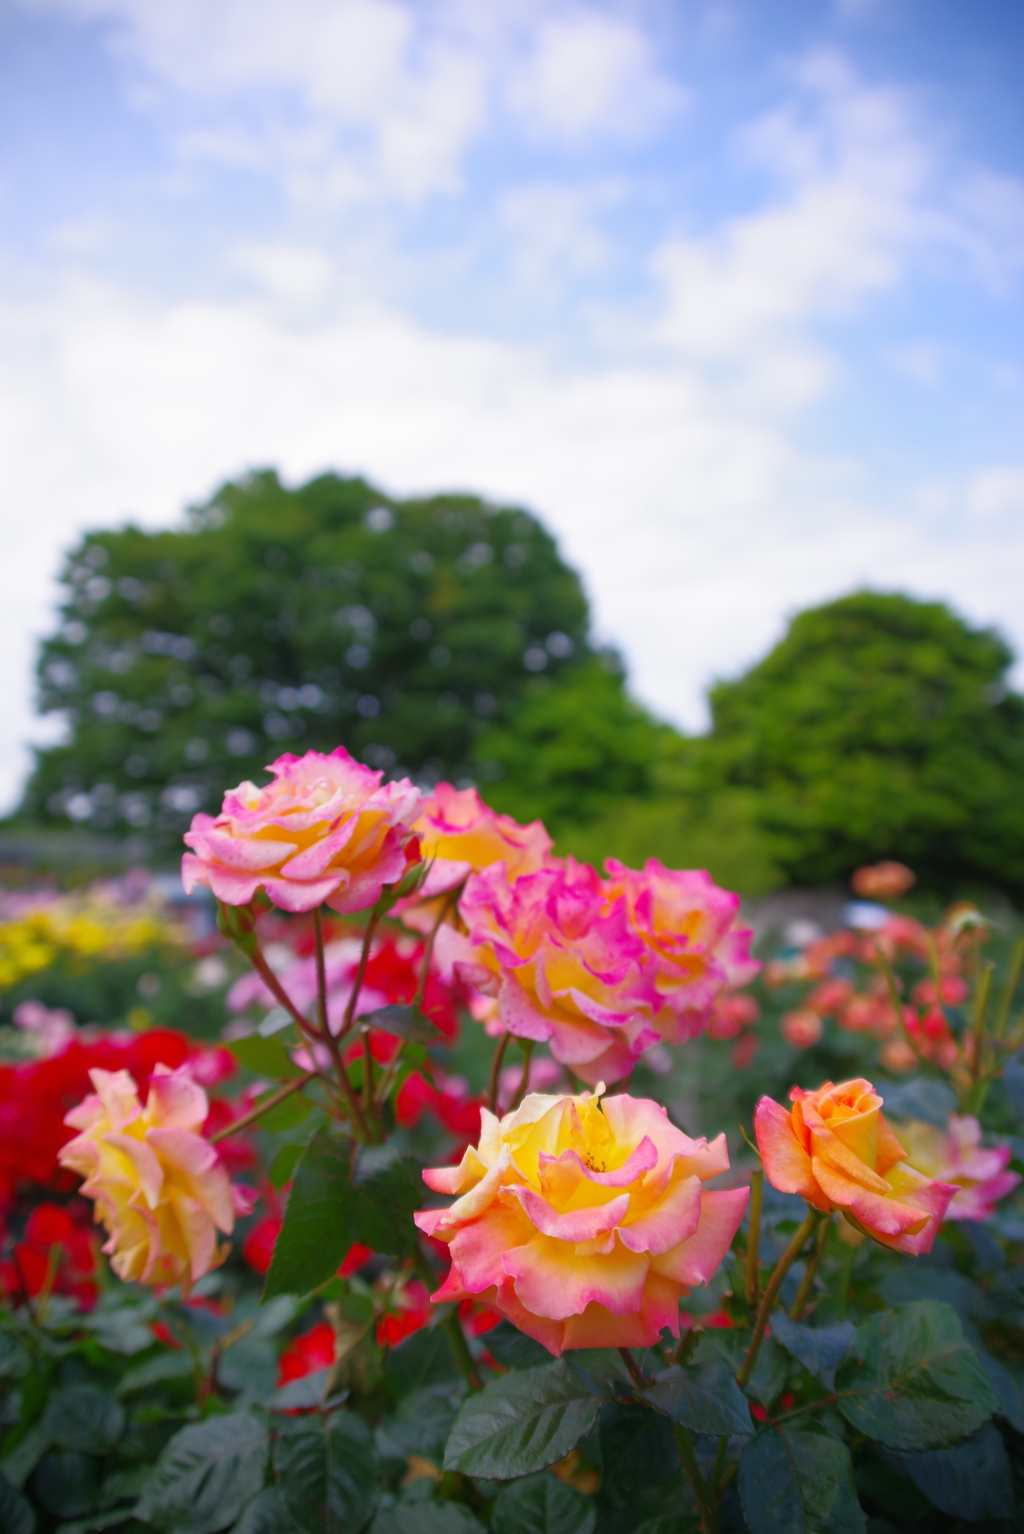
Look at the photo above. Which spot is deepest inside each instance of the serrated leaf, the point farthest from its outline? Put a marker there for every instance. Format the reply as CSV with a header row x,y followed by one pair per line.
x,y
327,1473
638,1450
66,1482
153,1371
16,1515
265,1057
703,1395
819,1349
265,1514
522,1422
972,1480
402,1023
542,1504
305,1392
316,1232
283,1165
426,1518
513,1349
424,1359
206,1473
799,1480
912,1380
83,1418
386,1192
1007,1380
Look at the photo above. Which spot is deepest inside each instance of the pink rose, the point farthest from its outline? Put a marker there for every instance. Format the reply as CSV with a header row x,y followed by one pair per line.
x,y
956,1155
325,829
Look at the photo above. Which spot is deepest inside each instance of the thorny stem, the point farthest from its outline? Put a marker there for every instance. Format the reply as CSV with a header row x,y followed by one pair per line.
x,y
636,1374
321,972
279,993
771,1293
705,1494
264,1107
803,1294
754,1238
495,1082
355,1113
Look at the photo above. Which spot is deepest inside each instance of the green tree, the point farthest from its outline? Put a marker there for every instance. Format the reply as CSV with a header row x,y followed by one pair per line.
x,y
282,619
880,726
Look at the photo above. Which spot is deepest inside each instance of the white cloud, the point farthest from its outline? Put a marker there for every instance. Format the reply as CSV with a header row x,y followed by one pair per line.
x,y
997,493
921,362
590,73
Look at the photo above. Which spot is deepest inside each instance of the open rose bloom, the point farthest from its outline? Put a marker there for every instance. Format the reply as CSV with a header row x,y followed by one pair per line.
x,y
463,835
836,1150
600,970
326,830
583,1221
159,1187
956,1155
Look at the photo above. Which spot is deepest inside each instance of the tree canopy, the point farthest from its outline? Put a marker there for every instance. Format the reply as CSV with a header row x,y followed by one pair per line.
x,y
283,619
880,726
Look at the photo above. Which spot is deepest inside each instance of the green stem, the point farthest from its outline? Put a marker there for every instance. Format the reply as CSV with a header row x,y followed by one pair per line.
x,y
264,1107
705,1498
355,1113
279,993
634,1370
357,984
526,1045
896,1002
803,1294
421,989
845,1272
496,1064
460,1350
771,1293
981,995
754,1238
1012,978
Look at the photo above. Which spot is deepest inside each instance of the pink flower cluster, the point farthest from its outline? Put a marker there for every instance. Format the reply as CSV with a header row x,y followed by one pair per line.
x,y
599,969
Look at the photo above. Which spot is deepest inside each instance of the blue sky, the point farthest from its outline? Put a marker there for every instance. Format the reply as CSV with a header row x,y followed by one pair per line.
x,y
731,294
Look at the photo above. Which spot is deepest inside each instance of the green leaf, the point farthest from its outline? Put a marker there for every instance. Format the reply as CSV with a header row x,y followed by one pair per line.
x,y
83,1418
522,1422
402,1023
283,1165
287,1114
206,1473
426,1518
18,1465
799,1480
912,1381
66,1482
306,1391
1007,1380
424,1359
972,1480
703,1395
819,1349
638,1451
386,1192
265,1057
250,1364
265,1514
316,1232
327,1473
542,1504
514,1349
176,1365
16,1515
771,1368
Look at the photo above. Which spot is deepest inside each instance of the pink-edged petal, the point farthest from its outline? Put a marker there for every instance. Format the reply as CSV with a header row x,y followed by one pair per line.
x,y
198,1232
176,1101
673,1219
579,1224
243,1199
787,1165
472,1204
312,861
196,1161
231,888
456,1179
478,1248
551,1279
697,1260
608,1017
244,854
291,895
119,1095
519,1015
88,1112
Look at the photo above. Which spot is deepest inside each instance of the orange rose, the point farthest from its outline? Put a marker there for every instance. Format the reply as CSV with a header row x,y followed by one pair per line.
x,y
836,1150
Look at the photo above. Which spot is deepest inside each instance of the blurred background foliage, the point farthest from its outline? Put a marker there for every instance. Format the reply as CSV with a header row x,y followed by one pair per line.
x,y
445,637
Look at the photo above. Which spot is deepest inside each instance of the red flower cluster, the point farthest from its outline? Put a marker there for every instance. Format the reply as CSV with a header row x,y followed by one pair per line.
x,y
57,1253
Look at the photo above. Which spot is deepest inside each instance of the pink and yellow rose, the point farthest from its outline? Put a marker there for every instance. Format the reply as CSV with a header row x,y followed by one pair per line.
x,y
693,952
159,1187
835,1149
956,1155
325,830
565,968
464,835
584,1221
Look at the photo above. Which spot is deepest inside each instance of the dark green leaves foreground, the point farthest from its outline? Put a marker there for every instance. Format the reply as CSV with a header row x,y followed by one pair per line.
x,y
336,1199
